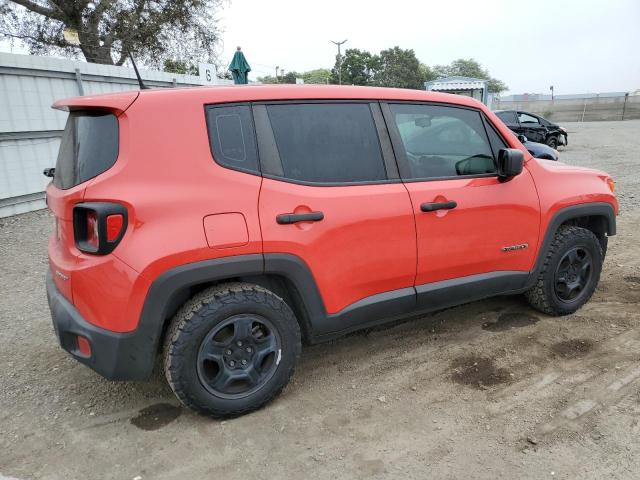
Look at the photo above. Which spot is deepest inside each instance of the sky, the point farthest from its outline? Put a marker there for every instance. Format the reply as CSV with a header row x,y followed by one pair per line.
x,y
578,46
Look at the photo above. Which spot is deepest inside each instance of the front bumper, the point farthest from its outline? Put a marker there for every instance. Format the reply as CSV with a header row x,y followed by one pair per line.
x,y
115,356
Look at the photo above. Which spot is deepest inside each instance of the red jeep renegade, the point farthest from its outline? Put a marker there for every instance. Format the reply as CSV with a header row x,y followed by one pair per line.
x,y
222,227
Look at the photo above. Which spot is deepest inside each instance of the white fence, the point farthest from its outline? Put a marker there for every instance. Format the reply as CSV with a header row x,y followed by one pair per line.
x,y
30,129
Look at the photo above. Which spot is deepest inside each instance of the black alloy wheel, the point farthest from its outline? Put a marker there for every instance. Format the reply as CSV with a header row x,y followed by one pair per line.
x,y
573,274
239,356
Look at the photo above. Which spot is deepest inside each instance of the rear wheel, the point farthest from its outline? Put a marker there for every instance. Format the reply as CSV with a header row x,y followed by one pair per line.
x,y
570,272
231,349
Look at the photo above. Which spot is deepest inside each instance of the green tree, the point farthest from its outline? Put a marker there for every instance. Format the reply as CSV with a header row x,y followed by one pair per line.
x,y
289,77
179,66
267,79
469,68
399,68
319,75
427,73
357,67
107,29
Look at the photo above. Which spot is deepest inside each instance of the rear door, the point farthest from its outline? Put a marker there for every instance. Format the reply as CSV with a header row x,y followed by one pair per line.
x,y
469,223
331,196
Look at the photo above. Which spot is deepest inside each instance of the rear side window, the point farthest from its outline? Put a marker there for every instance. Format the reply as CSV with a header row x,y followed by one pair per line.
x,y
327,142
89,147
232,137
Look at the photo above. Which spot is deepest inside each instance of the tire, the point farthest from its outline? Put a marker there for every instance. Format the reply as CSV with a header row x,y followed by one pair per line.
x,y
552,141
206,356
555,291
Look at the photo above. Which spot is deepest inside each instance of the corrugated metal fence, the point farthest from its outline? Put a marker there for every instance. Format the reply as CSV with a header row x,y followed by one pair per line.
x,y
625,107
30,129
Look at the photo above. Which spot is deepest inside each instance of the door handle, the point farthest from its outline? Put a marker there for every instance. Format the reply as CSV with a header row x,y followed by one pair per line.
x,y
288,218
433,206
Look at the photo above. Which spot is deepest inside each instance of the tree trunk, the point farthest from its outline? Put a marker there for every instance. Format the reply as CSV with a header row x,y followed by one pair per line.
x,y
97,54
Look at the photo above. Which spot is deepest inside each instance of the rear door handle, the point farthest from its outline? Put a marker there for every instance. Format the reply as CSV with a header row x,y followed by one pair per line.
x,y
288,218
433,206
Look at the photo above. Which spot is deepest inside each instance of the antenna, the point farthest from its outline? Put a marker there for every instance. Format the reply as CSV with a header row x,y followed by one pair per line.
x,y
140,82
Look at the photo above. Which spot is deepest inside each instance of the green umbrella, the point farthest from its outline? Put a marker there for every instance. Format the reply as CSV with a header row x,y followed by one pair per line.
x,y
239,68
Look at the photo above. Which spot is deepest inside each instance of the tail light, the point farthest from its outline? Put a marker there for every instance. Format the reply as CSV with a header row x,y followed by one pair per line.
x,y
98,227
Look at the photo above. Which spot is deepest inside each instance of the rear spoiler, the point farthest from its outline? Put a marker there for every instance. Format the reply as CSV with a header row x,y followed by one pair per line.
x,y
114,102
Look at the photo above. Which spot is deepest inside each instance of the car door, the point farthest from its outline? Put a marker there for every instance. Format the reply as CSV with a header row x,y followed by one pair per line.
x,y
474,230
510,119
531,127
331,197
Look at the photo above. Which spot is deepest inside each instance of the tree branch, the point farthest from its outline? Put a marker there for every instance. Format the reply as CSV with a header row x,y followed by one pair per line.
x,y
34,7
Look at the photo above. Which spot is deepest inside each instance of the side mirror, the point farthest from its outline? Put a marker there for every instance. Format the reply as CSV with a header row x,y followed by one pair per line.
x,y
522,138
510,162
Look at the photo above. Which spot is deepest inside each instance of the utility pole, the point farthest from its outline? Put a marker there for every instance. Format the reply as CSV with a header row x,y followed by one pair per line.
x,y
277,73
339,60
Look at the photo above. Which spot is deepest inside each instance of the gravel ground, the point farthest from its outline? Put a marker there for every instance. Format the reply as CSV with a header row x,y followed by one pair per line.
x,y
486,390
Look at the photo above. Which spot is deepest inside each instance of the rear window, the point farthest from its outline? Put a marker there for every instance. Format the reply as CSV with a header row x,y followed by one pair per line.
x,y
89,147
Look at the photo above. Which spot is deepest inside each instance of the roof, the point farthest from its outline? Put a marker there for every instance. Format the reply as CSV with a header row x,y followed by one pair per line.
x,y
252,93
456,83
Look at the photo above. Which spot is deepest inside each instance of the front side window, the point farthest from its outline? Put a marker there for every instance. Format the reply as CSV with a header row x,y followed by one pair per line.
x,y
527,119
442,142
327,142
232,137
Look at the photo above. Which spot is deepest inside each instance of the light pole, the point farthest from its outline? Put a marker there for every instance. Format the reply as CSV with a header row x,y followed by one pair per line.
x,y
277,74
339,60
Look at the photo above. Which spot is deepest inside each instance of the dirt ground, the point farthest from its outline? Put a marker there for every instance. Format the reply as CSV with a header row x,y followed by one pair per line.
x,y
491,389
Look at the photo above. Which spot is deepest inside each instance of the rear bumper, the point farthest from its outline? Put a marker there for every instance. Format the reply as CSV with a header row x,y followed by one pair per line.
x,y
115,356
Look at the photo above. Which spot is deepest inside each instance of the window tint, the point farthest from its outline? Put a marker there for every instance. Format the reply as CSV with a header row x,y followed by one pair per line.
x,y
509,118
232,137
443,141
327,142
524,118
89,147
495,139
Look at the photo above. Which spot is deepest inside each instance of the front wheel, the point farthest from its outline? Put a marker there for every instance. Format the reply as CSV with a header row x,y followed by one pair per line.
x,y
231,349
552,141
570,272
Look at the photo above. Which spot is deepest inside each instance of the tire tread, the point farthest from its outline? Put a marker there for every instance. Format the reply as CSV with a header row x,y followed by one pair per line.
x,y
191,316
537,296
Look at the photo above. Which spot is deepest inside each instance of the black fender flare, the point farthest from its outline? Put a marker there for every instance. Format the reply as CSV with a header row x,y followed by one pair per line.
x,y
596,209
163,293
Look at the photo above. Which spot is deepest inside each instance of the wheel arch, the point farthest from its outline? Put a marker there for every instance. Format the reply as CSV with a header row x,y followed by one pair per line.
x,y
597,217
284,274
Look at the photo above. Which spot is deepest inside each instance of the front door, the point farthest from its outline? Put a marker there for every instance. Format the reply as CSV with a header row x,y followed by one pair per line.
x,y
470,225
331,196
